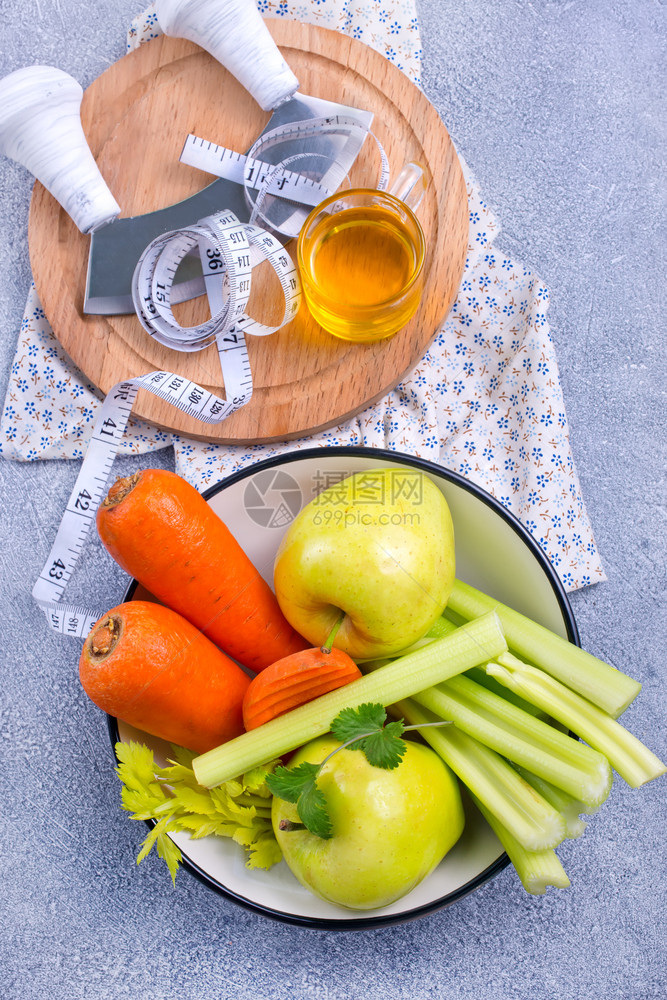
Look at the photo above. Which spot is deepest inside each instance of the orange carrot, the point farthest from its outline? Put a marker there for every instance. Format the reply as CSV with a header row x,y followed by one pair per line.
x,y
294,680
147,665
162,532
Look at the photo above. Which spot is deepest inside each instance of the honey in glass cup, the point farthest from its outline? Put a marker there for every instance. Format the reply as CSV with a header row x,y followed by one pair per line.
x,y
361,259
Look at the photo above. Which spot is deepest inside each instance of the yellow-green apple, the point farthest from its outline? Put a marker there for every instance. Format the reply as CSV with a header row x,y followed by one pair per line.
x,y
378,547
391,828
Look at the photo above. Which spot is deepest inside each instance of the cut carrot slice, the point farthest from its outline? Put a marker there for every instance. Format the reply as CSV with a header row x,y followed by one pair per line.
x,y
294,680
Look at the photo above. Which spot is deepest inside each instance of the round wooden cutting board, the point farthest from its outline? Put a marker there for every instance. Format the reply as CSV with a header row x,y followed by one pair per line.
x,y
136,117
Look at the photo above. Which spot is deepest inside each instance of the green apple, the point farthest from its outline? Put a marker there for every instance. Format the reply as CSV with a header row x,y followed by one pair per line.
x,y
378,547
390,828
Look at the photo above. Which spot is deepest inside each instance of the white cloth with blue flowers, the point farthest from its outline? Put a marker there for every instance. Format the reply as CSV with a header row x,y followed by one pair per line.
x,y
485,400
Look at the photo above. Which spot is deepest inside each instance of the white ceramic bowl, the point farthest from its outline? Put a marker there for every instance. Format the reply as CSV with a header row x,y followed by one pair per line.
x,y
493,553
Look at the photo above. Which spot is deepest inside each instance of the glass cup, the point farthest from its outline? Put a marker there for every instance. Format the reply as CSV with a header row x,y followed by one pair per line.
x,y
361,259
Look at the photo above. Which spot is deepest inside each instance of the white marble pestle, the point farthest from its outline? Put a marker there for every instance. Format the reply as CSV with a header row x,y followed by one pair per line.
x,y
40,128
235,34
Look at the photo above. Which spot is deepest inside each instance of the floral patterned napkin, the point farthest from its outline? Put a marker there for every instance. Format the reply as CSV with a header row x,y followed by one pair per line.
x,y
484,401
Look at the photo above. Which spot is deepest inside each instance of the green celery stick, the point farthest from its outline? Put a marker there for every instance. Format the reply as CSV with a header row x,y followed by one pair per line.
x,y
635,763
576,768
568,807
536,869
531,819
590,677
470,645
480,676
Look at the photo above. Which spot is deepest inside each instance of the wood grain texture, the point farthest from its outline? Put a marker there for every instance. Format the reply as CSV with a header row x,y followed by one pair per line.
x,y
136,116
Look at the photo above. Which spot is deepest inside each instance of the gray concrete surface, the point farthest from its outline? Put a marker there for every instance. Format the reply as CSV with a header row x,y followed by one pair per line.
x,y
559,108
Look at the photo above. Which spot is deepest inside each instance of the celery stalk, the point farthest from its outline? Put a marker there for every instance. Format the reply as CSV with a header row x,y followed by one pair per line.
x,y
596,680
568,807
536,869
475,643
530,818
480,676
635,763
576,768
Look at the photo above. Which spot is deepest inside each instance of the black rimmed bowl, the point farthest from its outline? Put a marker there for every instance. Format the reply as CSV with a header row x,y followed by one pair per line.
x,y
493,553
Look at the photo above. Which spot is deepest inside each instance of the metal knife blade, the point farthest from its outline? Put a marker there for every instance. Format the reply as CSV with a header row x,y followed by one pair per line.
x,y
116,248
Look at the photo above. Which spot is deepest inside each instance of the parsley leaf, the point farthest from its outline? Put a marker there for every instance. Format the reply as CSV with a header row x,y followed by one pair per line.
x,y
289,783
385,748
298,785
366,727
312,810
352,723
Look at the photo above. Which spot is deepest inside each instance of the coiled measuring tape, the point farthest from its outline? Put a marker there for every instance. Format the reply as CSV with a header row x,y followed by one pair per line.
x,y
252,173
228,250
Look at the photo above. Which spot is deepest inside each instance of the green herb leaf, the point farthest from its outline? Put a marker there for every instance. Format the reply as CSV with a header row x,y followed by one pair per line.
x,y
170,853
353,723
364,729
255,780
385,748
289,783
312,810
298,784
264,853
173,799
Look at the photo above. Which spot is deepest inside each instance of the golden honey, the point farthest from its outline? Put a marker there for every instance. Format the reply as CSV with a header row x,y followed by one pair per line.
x,y
361,258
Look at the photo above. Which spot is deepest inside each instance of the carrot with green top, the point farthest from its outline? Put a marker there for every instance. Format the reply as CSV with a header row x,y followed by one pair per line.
x,y
161,531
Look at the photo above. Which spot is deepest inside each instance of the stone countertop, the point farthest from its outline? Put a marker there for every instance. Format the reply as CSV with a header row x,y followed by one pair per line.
x,y
558,107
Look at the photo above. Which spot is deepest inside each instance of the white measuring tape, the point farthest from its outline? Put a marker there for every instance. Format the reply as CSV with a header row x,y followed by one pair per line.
x,y
278,180
250,172
228,250
91,486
